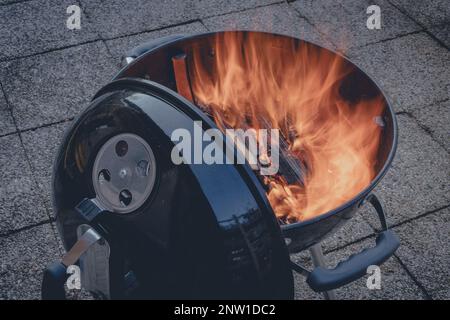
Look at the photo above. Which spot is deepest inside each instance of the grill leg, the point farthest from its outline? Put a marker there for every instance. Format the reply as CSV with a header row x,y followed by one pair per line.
x,y
319,261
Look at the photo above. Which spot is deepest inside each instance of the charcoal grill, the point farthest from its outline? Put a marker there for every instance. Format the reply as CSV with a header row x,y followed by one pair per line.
x,y
142,227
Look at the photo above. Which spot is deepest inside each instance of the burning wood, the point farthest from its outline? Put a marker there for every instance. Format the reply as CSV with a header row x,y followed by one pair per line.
x,y
329,145
290,167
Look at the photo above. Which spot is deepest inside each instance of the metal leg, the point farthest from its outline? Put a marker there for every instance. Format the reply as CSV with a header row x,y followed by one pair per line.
x,y
319,261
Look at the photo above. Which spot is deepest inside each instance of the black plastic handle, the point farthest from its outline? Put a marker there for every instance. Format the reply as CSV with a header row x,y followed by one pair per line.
x,y
55,276
355,267
149,45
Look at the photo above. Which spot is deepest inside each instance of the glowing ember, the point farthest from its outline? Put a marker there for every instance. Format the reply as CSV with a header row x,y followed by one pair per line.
x,y
255,80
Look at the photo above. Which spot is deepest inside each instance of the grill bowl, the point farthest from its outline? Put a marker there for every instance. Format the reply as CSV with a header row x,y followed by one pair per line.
x,y
154,63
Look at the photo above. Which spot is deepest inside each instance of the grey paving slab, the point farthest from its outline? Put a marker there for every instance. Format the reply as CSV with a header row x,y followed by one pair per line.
x,y
57,85
123,17
40,25
441,294
410,69
442,33
118,47
436,119
206,8
6,121
395,282
5,2
345,22
355,229
41,146
303,291
23,257
426,12
417,181
424,250
21,202
279,18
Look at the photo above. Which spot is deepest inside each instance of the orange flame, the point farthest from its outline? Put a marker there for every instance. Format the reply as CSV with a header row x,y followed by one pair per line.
x,y
258,80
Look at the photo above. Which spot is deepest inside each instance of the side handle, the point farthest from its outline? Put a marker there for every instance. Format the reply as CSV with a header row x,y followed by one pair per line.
x,y
355,267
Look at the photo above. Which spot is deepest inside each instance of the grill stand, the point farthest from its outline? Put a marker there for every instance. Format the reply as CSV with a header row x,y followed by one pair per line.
x,y
318,260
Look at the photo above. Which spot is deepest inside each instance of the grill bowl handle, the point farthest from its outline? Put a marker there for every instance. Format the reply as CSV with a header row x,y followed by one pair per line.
x,y
355,267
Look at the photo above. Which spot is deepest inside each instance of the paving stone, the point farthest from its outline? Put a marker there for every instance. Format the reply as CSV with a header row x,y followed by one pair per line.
x,y
426,12
123,17
303,291
21,202
23,257
5,2
118,47
37,26
55,86
6,121
442,33
441,294
417,181
409,69
355,229
279,18
207,8
435,120
41,146
345,22
395,282
424,250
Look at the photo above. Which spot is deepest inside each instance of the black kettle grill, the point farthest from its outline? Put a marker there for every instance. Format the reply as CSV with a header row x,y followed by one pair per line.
x,y
166,231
